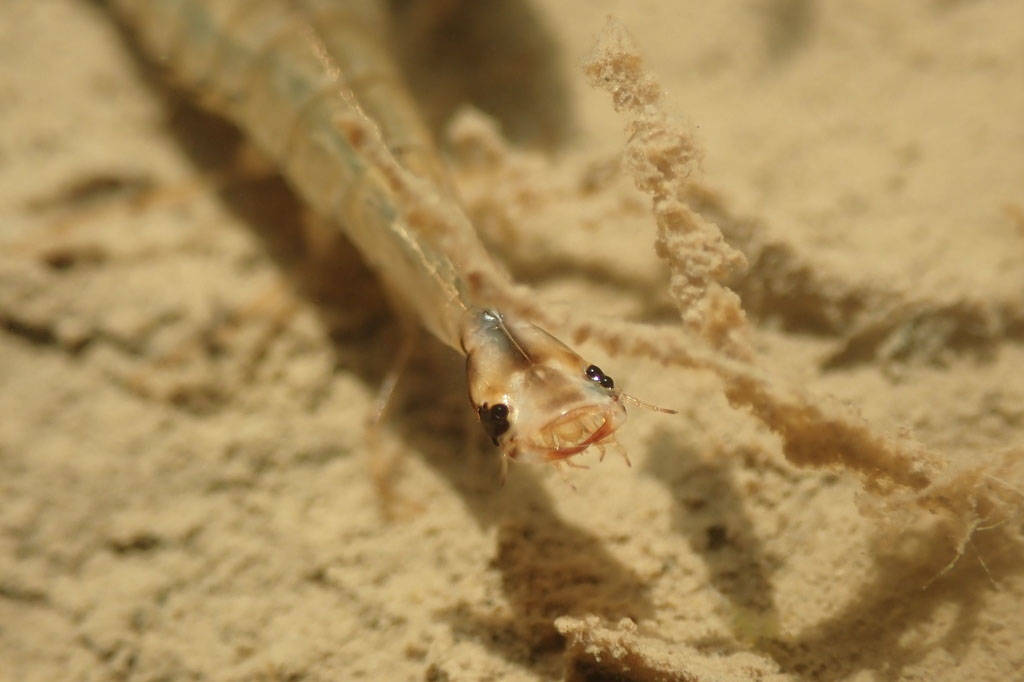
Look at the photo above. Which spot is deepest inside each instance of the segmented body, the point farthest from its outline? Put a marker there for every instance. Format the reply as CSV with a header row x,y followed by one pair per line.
x,y
302,79
313,84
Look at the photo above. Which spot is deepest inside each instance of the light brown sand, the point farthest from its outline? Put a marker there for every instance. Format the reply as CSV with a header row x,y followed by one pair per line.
x,y
185,483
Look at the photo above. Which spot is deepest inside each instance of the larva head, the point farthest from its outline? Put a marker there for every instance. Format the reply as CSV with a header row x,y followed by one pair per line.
x,y
537,399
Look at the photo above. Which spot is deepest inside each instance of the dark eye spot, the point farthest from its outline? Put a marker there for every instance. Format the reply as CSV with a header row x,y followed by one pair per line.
x,y
494,419
594,373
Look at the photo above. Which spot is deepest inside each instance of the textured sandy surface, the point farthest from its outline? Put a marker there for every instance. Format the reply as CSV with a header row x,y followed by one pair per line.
x,y
186,487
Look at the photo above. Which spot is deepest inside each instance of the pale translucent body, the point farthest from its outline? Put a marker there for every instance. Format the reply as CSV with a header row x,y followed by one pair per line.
x,y
313,85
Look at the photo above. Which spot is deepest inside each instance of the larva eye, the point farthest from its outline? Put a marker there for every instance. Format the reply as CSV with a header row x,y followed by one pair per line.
x,y
494,419
595,374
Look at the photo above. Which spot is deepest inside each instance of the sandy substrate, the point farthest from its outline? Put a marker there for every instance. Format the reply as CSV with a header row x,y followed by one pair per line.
x,y
187,489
